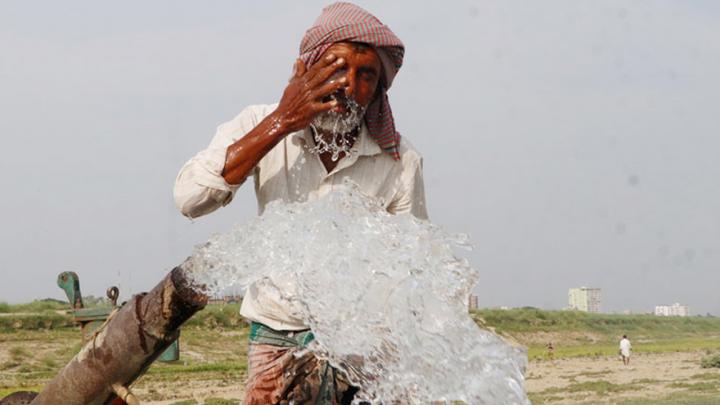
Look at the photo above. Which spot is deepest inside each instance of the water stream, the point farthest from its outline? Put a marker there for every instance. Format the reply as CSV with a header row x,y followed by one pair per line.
x,y
386,297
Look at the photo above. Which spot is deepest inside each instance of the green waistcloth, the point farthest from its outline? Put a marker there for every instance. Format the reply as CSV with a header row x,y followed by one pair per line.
x,y
261,334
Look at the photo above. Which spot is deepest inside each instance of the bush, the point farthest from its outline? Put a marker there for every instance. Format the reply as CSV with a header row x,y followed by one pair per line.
x,y
218,316
37,306
34,322
711,362
532,320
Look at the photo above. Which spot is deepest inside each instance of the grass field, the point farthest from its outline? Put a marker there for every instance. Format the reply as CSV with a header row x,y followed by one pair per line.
x,y
37,339
579,334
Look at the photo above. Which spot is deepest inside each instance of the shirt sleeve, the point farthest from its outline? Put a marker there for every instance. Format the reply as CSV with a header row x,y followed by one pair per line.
x,y
200,187
410,197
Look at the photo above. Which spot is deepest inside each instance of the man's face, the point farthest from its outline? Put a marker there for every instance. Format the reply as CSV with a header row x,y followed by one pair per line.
x,y
362,69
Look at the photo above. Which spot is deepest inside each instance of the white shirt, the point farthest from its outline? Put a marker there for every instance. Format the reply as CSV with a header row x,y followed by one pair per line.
x,y
292,173
625,347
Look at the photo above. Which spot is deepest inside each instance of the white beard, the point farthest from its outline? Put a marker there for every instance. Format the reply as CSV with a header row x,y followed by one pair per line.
x,y
340,126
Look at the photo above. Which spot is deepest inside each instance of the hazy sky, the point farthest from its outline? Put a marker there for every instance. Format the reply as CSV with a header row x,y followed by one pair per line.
x,y
577,142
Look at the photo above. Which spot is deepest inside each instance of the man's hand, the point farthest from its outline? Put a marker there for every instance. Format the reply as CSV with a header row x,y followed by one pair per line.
x,y
300,103
303,96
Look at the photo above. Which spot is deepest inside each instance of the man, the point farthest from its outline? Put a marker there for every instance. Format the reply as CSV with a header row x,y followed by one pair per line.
x,y
550,351
625,347
332,123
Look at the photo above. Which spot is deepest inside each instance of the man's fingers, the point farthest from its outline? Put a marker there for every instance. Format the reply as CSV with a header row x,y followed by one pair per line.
x,y
325,72
329,60
329,88
321,107
300,68
326,60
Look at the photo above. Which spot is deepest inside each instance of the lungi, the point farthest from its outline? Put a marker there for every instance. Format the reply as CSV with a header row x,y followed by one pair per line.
x,y
283,372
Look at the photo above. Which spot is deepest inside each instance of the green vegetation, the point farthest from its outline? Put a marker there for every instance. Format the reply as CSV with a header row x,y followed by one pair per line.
x,y
51,314
226,367
44,321
18,353
598,387
215,355
711,362
39,338
218,315
50,305
689,393
535,320
590,374
37,306
209,401
646,381
219,401
574,334
674,399
707,376
7,391
40,314
708,387
580,334
609,348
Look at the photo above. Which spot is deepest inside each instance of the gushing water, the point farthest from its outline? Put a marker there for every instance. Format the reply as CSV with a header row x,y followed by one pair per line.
x,y
340,125
385,296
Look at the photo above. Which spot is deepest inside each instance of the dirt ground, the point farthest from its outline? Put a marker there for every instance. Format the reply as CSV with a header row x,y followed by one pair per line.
x,y
651,376
200,392
565,381
212,370
607,380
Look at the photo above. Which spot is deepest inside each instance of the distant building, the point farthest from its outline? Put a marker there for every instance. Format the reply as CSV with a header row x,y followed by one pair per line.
x,y
672,310
584,299
473,302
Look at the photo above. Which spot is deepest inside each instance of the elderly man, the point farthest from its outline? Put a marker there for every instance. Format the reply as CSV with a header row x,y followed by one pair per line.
x,y
332,123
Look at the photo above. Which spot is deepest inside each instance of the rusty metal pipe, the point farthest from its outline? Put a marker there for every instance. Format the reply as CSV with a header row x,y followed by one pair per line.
x,y
127,344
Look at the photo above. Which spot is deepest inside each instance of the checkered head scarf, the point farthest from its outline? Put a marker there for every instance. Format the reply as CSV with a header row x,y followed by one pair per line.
x,y
340,22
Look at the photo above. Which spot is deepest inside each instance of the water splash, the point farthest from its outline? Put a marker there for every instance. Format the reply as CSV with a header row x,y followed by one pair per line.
x,y
340,126
385,296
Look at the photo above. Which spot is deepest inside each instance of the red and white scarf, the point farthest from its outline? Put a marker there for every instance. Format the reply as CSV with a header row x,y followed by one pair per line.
x,y
341,22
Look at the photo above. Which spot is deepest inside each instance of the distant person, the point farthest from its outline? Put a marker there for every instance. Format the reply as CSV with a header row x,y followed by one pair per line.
x,y
625,347
550,351
333,122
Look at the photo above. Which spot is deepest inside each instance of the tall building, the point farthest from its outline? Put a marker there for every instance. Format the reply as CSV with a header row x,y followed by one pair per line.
x,y
672,310
473,302
584,299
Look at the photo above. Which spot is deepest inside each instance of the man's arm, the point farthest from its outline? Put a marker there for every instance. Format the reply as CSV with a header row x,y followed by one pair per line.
x,y
300,103
210,179
199,187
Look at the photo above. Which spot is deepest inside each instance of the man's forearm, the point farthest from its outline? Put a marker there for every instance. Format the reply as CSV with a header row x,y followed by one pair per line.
x,y
243,155
300,103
